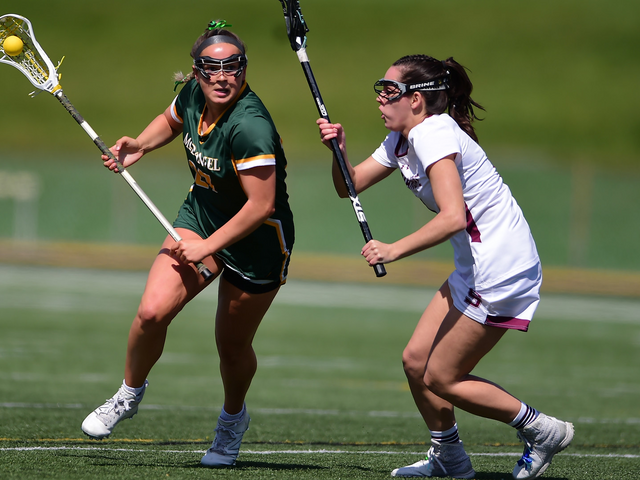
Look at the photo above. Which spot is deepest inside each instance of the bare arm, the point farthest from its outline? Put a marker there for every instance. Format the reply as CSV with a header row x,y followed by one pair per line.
x,y
450,220
161,131
363,175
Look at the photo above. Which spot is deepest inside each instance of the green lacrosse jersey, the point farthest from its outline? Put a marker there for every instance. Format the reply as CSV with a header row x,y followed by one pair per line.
x,y
243,137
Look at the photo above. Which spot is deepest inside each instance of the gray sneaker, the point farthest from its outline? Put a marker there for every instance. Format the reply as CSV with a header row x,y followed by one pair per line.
x,y
124,404
226,446
443,460
543,438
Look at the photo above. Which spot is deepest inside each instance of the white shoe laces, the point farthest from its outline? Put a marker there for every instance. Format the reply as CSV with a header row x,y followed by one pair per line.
x,y
116,405
431,457
224,436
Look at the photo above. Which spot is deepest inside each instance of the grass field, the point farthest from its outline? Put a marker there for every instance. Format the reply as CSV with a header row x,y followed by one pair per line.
x,y
329,400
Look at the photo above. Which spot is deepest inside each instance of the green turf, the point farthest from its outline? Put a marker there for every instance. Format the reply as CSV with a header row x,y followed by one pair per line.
x,y
329,400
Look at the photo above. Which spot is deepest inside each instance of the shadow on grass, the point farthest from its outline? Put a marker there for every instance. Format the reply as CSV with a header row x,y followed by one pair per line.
x,y
506,476
102,459
276,466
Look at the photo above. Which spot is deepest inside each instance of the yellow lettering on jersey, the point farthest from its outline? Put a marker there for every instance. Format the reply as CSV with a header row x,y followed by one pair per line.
x,y
204,180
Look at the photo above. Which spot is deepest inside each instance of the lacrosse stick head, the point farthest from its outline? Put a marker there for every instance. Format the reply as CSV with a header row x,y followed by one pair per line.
x,y
296,27
32,61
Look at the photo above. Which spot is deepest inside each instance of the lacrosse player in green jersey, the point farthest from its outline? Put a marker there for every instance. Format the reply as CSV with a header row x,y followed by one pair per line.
x,y
236,220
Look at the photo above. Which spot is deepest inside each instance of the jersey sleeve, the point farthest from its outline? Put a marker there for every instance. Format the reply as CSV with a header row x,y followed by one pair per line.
x,y
385,153
174,112
254,142
435,142
181,100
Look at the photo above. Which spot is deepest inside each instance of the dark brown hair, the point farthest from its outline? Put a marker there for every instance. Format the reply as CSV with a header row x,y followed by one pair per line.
x,y
456,99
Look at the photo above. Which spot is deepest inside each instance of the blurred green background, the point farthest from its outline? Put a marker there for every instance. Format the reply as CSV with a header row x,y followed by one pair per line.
x,y
558,81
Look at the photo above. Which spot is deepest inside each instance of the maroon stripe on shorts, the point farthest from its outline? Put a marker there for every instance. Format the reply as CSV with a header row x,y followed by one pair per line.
x,y
508,322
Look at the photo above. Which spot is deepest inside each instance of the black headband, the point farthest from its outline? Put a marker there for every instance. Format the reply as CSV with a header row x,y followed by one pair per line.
x,y
219,39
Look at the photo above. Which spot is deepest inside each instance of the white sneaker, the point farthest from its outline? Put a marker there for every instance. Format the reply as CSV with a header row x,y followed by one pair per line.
x,y
226,446
101,421
443,460
543,438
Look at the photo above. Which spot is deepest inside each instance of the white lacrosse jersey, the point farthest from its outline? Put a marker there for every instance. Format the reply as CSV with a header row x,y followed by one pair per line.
x,y
497,243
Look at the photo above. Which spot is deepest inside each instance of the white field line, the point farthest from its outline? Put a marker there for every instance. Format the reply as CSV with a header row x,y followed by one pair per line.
x,y
59,289
299,452
295,411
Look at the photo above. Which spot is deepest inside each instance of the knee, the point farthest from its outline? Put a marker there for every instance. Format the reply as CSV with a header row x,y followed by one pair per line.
x,y
231,357
152,315
436,382
413,364
233,349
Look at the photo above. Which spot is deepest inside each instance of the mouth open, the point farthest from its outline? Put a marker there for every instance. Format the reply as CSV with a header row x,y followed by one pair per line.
x,y
222,92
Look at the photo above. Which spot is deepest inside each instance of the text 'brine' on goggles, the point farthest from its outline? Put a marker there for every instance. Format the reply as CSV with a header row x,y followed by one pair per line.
x,y
230,66
392,90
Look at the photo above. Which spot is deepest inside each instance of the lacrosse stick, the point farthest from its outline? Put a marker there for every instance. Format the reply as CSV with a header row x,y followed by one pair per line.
x,y
297,32
29,57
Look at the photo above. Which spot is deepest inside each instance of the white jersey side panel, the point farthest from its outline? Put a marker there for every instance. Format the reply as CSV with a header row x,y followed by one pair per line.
x,y
497,243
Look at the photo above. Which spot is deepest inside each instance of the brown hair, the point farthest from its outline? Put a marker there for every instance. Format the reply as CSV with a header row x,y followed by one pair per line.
x,y
456,99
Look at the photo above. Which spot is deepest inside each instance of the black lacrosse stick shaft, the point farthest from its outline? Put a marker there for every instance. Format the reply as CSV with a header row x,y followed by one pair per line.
x,y
297,32
364,226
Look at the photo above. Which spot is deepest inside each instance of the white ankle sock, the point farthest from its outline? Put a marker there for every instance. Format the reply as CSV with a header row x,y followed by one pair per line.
x,y
525,416
447,436
227,417
135,391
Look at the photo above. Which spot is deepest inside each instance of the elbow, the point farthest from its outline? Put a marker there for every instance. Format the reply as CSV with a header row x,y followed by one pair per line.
x,y
259,211
271,211
269,208
341,193
460,224
340,189
460,228
456,224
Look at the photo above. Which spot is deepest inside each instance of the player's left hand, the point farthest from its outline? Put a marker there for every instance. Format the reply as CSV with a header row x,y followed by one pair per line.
x,y
377,252
189,251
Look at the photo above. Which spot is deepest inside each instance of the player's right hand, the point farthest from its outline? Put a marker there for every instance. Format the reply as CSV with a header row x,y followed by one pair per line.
x,y
126,150
329,131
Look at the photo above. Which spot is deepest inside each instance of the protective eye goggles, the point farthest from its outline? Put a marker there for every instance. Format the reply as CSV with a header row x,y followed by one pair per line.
x,y
230,66
391,90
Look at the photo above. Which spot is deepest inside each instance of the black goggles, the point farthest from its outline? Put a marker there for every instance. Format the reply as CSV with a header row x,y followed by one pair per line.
x,y
392,90
230,66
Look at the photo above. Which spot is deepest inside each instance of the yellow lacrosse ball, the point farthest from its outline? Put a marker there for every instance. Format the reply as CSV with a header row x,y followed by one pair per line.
x,y
12,46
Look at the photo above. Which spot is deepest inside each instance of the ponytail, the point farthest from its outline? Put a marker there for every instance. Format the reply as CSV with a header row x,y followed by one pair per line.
x,y
460,103
456,100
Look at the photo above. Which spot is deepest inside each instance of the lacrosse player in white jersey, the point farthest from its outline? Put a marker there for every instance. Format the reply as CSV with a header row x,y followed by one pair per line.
x,y
426,105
